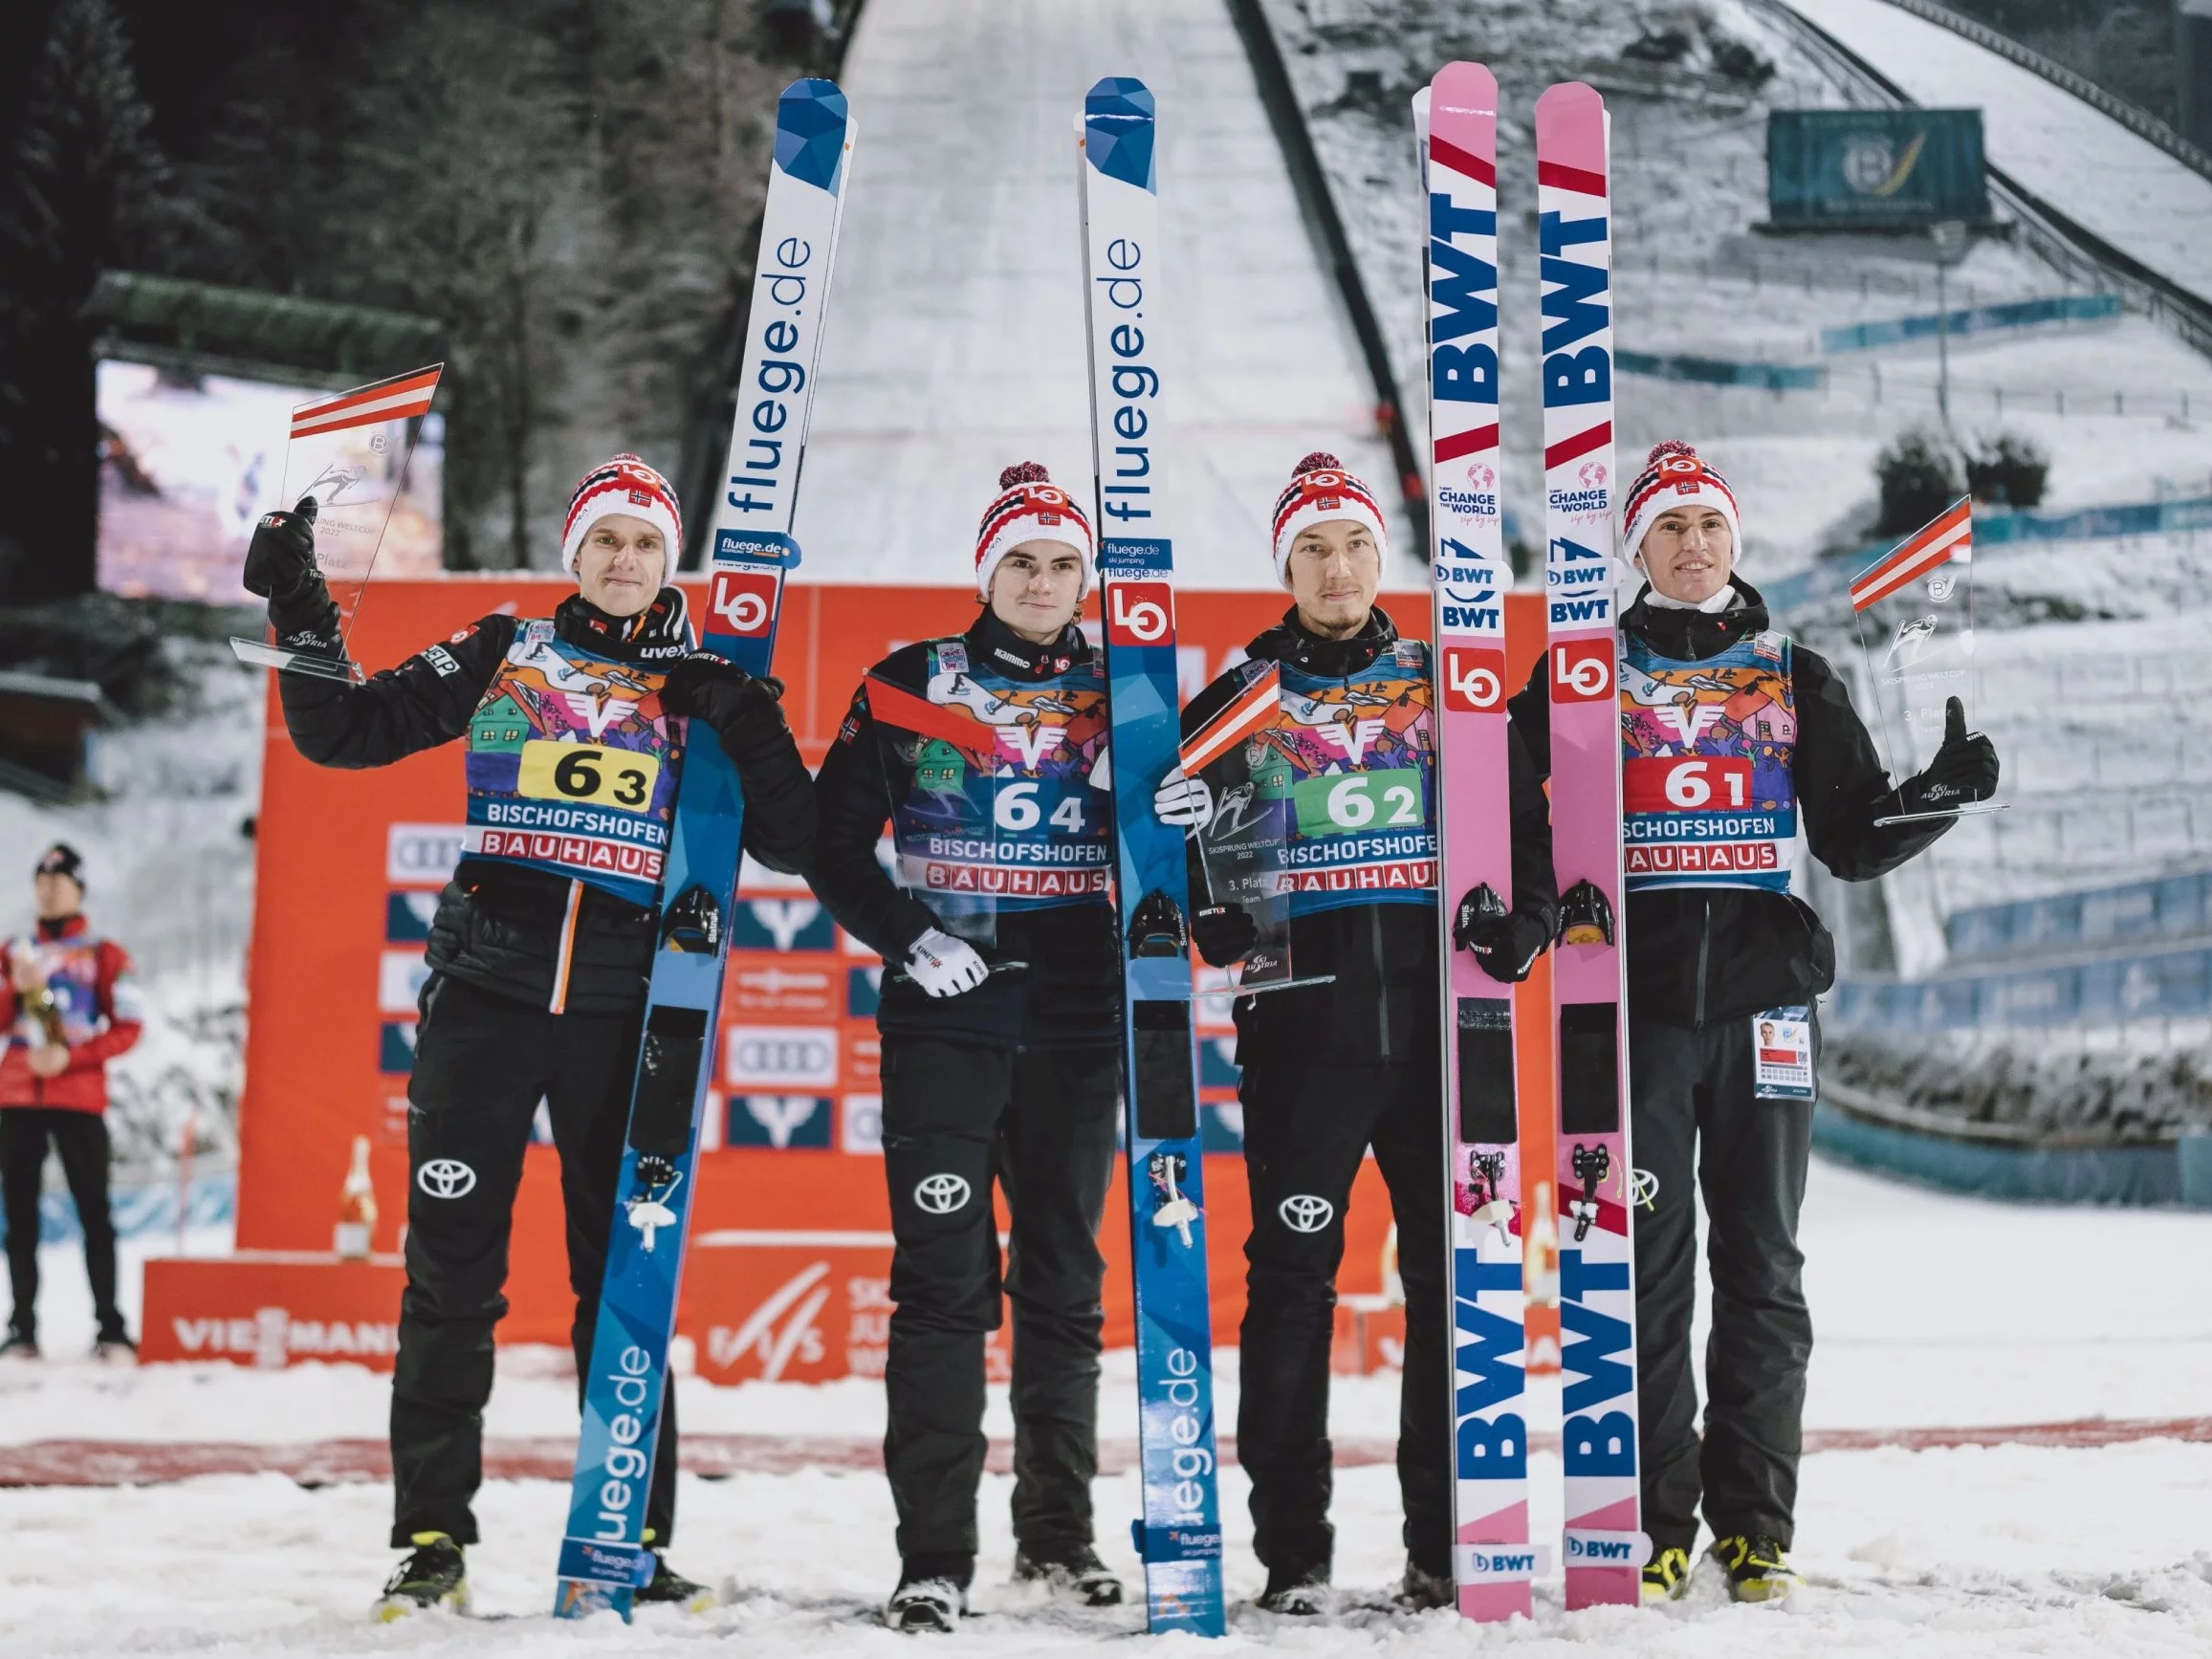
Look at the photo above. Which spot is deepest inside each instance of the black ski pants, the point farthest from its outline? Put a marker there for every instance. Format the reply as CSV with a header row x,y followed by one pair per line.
x,y
1305,1129
482,1063
1040,1123
1693,1110
81,1140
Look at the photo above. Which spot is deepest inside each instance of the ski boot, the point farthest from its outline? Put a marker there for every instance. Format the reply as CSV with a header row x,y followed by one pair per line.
x,y
1421,1590
433,1576
1757,1569
1075,1575
925,1606
670,1588
19,1346
1667,1576
115,1348
1303,1595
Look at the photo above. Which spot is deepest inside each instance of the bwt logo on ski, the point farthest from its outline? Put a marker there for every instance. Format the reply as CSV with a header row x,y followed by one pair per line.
x,y
745,600
631,1385
1140,613
1129,494
1486,1361
784,282
1474,679
1582,670
1462,302
1575,306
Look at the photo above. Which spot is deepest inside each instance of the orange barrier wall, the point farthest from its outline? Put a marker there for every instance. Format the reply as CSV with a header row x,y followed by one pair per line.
x,y
348,863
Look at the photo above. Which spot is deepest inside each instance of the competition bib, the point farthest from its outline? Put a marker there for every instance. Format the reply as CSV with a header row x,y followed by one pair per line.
x,y
573,767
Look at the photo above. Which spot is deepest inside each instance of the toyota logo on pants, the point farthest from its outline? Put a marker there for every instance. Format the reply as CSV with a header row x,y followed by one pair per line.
x,y
941,1194
1305,1213
446,1178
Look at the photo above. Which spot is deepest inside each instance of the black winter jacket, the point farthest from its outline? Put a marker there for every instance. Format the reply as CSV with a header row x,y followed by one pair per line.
x,y
1700,956
1070,994
1385,1004
500,926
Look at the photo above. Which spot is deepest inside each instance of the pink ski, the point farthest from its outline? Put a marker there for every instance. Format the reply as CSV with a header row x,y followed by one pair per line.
x,y
1605,1543
1492,1558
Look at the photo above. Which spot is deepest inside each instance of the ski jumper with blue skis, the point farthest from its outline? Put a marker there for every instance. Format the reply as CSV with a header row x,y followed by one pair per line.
x,y
1180,1535
1605,1543
604,1557
1492,1558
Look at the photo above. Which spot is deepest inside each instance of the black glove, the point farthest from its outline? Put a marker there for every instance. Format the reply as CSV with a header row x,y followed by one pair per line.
x,y
281,559
1506,943
1965,768
744,711
1224,933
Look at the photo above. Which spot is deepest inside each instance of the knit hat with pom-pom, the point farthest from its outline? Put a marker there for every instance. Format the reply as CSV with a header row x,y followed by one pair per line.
x,y
1320,489
1675,476
1030,507
624,485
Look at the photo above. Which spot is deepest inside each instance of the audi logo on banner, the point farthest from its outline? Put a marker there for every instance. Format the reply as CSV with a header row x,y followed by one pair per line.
x,y
765,1057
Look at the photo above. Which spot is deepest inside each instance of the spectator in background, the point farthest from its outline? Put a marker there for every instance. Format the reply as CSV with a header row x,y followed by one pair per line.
x,y
69,1007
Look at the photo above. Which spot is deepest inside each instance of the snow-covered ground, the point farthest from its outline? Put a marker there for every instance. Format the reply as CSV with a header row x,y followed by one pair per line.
x,y
956,343
1929,1311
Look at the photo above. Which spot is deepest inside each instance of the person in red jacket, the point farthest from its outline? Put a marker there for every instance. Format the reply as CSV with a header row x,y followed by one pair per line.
x,y
69,1005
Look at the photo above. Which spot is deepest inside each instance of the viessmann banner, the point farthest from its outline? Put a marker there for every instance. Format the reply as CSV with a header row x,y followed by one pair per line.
x,y
793,1126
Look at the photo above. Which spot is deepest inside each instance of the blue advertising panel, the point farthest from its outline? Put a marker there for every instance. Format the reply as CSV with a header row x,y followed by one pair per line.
x,y
1883,168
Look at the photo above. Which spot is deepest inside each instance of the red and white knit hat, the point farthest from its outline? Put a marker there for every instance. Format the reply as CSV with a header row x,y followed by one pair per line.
x,y
1320,489
627,486
1674,475
1030,507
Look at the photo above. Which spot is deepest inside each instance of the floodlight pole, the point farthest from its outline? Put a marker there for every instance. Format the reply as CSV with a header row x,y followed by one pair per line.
x,y
1950,237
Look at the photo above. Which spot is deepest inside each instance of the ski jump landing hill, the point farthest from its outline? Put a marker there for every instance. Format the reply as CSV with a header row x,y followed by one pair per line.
x,y
956,343
2148,203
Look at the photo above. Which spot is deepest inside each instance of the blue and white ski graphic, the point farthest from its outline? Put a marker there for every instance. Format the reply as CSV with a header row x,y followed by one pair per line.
x,y
1180,1534
605,1555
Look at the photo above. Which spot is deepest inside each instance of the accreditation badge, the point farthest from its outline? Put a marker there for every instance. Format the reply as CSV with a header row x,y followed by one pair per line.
x,y
1782,1054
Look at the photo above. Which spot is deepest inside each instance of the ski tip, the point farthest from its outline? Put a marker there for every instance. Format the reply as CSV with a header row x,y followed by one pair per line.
x,y
811,123
1118,117
1570,124
1466,86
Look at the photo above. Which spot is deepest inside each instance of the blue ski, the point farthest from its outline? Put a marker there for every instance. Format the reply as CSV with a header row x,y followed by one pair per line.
x,y
1180,1534
604,1557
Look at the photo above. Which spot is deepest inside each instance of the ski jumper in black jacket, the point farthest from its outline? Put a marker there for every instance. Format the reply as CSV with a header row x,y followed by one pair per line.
x,y
1329,1070
1014,1081
1708,950
539,956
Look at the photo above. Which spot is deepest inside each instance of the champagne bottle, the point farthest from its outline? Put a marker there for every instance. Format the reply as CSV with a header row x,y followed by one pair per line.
x,y
357,1207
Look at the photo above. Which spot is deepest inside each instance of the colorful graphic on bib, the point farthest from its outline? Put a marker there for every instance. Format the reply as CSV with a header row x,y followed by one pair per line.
x,y
571,767
1001,807
1350,768
1706,750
